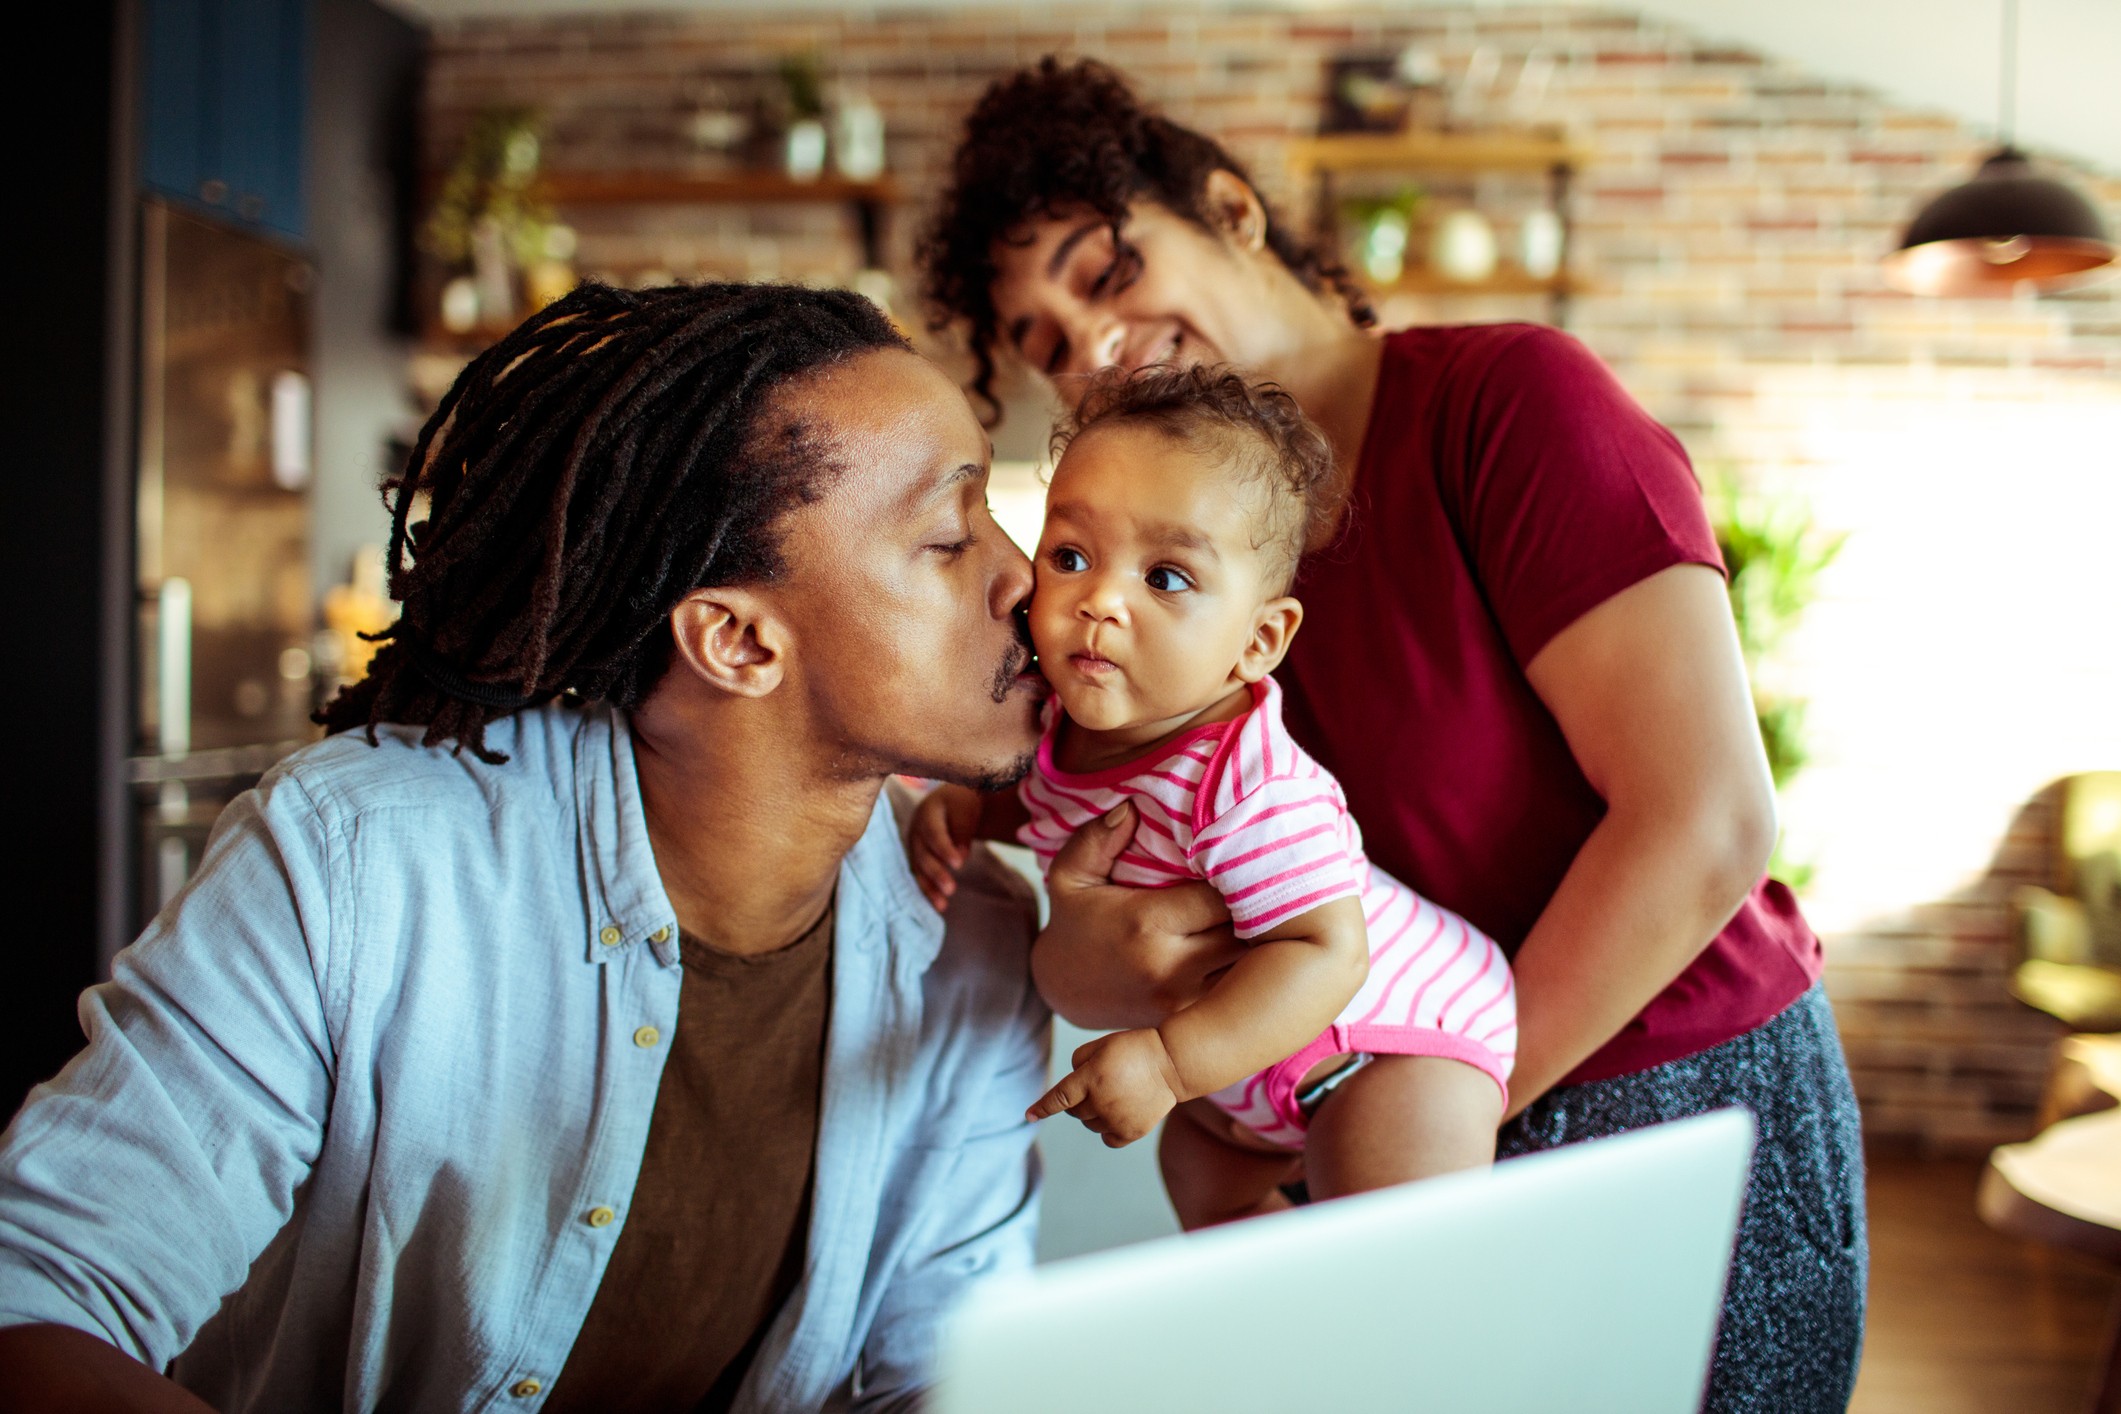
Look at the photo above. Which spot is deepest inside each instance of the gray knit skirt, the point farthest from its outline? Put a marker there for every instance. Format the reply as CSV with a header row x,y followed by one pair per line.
x,y
1792,1326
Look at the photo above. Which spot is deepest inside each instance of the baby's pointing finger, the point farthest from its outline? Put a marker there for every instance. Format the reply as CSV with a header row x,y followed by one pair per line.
x,y
1065,1096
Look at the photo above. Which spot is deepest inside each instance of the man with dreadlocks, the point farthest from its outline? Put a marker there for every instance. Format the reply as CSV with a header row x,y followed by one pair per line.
x,y
486,1063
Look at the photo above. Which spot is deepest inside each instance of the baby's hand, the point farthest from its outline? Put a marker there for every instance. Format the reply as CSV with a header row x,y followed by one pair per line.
x,y
1121,1086
938,837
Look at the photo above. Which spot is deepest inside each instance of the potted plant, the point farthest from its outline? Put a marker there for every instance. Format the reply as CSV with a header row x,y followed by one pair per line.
x,y
489,220
1774,555
803,151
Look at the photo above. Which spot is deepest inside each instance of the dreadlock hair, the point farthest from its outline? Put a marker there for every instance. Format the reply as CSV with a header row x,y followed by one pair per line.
x,y
612,454
1055,140
1256,427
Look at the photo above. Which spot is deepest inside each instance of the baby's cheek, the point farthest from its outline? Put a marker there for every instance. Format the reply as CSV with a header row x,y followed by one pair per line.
x,y
1045,615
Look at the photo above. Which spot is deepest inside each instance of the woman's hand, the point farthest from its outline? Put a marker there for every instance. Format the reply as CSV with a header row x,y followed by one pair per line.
x,y
938,838
1113,956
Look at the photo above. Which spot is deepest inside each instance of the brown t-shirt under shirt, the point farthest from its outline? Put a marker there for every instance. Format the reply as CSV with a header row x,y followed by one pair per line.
x,y
715,1233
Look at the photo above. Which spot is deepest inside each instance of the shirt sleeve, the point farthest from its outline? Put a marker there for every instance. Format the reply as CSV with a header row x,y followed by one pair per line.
x,y
1564,490
981,1223
1278,851
138,1185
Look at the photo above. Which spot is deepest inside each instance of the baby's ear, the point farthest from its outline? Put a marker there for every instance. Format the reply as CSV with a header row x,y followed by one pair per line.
x,y
1273,630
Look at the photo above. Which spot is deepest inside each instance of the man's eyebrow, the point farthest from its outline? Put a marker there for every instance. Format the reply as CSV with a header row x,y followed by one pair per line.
x,y
936,489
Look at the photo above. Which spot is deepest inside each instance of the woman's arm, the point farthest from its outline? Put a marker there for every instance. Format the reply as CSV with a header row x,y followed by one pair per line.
x,y
1113,957
1650,691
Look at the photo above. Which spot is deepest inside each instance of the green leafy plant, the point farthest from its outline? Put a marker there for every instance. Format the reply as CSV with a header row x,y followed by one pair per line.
x,y
494,180
1380,227
1774,554
803,76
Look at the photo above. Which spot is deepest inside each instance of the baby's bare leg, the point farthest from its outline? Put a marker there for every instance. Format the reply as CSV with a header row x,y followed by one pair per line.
x,y
1400,1118
1213,1179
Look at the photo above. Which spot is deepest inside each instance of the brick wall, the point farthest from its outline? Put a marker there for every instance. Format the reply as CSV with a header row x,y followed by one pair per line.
x,y
1730,227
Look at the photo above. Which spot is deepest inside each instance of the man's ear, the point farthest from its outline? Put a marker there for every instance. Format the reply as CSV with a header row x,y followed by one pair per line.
x,y
730,638
1235,209
1272,633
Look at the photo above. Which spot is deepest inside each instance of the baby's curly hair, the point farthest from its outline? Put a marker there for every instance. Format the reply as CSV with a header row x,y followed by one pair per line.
x,y
1257,426
1055,139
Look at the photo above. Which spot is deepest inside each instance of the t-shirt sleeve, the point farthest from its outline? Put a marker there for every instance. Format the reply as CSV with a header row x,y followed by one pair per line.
x,y
1277,852
1564,490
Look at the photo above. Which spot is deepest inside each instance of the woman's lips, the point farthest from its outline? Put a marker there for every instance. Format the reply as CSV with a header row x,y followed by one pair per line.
x,y
1161,350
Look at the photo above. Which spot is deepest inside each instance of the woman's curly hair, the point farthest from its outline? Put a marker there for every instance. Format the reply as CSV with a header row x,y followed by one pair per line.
x,y
1058,139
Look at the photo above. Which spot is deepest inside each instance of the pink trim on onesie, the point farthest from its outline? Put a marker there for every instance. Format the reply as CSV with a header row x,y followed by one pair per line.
x,y
1240,805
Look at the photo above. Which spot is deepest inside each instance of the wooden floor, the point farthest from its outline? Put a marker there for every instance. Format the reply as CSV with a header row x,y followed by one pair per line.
x,y
1962,1319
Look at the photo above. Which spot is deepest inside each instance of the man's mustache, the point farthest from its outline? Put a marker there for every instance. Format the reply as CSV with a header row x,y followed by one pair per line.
x,y
1021,656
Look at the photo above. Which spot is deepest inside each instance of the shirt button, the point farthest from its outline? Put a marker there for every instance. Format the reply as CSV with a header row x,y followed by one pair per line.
x,y
524,1389
602,1217
660,935
646,1037
610,936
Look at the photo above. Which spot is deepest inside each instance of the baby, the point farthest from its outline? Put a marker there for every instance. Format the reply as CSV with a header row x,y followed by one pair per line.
x,y
1365,1031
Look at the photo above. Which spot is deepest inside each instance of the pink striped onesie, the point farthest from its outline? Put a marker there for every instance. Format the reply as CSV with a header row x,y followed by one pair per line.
x,y
1242,806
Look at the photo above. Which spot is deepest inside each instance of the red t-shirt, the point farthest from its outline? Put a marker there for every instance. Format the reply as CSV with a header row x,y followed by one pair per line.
x,y
1508,484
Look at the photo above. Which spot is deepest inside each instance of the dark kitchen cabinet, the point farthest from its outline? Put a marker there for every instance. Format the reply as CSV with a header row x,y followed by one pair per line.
x,y
224,106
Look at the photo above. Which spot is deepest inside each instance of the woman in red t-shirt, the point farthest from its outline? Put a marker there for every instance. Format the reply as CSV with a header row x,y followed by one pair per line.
x,y
1517,657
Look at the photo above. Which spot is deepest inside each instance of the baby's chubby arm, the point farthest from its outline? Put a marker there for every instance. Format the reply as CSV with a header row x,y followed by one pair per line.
x,y
944,824
1286,988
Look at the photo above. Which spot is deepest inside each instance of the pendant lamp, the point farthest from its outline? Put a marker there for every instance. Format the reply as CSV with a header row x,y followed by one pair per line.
x,y
2007,227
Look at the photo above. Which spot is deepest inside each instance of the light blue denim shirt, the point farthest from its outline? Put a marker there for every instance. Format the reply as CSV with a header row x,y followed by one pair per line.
x,y
349,1104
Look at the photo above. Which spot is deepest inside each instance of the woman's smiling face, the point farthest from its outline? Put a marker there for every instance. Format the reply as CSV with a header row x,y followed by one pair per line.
x,y
1071,297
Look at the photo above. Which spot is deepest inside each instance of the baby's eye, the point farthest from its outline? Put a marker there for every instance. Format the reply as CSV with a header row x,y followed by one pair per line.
x,y
1068,560
1166,580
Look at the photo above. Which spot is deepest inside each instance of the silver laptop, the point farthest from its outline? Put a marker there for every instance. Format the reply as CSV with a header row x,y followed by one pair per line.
x,y
1583,1280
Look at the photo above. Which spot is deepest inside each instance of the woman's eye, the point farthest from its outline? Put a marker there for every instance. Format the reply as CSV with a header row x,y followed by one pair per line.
x,y
954,548
1125,269
1166,580
1068,560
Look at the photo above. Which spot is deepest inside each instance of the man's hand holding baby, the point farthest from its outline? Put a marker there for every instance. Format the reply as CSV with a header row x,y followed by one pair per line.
x,y
1122,1085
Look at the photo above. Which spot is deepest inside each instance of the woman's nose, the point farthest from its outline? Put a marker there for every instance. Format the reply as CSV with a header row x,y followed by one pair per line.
x,y
1094,343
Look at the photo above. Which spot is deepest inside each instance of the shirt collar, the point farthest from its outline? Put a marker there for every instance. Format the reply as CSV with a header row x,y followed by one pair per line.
x,y
629,903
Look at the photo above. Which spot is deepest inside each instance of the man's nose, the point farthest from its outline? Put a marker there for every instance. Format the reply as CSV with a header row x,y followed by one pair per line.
x,y
1009,592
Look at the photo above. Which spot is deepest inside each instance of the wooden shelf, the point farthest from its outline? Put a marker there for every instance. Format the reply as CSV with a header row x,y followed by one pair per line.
x,y
1507,280
1436,152
683,188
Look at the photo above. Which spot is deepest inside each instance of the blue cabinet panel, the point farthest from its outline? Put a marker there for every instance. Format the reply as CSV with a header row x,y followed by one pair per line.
x,y
226,106
174,111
